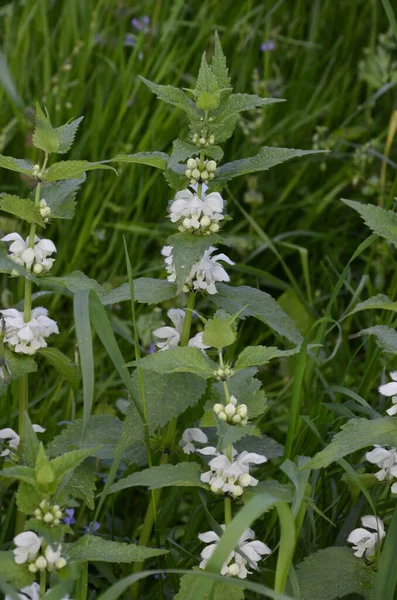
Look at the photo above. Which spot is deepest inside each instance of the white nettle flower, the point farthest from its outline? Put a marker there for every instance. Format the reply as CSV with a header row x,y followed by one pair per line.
x,y
54,558
28,545
365,541
252,551
27,337
195,214
386,460
37,256
390,389
207,272
13,437
31,592
232,412
191,435
230,476
171,335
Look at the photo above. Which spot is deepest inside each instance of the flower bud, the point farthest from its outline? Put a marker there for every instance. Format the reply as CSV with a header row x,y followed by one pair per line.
x,y
186,223
230,409
202,141
188,173
211,166
48,517
242,410
37,269
204,175
245,480
32,568
218,408
57,513
191,163
205,221
233,569
37,513
43,504
41,563
60,563
233,400
214,227
196,173
56,521
236,419
237,491
214,489
211,140
222,416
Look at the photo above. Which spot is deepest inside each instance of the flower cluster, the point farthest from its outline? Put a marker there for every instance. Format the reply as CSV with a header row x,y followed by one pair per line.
x,y
204,274
367,541
28,546
230,476
34,257
390,389
200,171
249,552
27,337
223,373
45,210
14,439
171,335
202,140
195,214
386,460
232,412
51,515
32,592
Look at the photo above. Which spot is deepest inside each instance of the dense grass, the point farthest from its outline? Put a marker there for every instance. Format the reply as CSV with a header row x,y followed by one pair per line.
x,y
72,56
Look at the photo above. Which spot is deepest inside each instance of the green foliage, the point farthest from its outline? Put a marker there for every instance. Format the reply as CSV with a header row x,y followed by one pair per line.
x,y
20,473
81,484
385,337
260,355
220,331
179,360
188,249
44,471
183,474
94,548
356,434
158,160
15,367
249,302
23,208
72,169
380,221
101,437
17,575
380,302
333,573
246,388
62,465
28,498
50,139
230,434
146,291
15,164
221,591
173,95
65,367
60,196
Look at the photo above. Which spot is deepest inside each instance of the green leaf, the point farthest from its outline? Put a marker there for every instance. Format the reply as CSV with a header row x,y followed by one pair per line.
x,y
52,535
23,208
172,95
62,465
15,367
72,169
258,304
253,356
20,473
45,136
146,291
94,548
184,474
188,249
31,443
246,388
219,67
44,472
18,575
60,197
182,150
240,102
66,368
265,159
386,337
380,302
356,434
219,332
178,360
16,164
386,577
222,591
206,92
261,445
380,221
67,134
81,485
158,160
81,311
75,282
230,434
332,573
28,498
101,429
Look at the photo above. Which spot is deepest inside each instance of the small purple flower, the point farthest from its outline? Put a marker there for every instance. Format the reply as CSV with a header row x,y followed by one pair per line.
x,y
129,40
92,527
141,24
268,46
69,520
152,348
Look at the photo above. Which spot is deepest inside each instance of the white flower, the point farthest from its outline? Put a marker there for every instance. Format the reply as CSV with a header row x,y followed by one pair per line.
x,y
390,389
236,563
27,337
386,460
28,545
52,556
230,476
36,256
205,273
192,435
365,541
31,592
195,214
13,437
172,335
169,263
232,412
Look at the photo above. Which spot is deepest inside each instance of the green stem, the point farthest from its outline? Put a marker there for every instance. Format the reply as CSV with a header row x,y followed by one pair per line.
x,y
43,575
187,323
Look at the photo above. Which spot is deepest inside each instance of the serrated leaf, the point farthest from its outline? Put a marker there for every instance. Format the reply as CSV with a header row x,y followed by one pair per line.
x,y
72,169
44,473
182,150
333,573
66,135
15,164
28,498
386,337
67,368
380,301
175,176
62,465
188,249
219,333
253,356
60,197
355,435
17,575
241,102
178,360
263,444
172,95
158,160
75,282
45,136
258,304
23,208
221,591
206,79
15,367
146,290
94,548
266,158
81,485
52,535
20,473
219,67
230,434
379,220
101,429
184,474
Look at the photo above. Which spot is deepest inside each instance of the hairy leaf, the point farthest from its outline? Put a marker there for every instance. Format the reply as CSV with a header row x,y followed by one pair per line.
x,y
240,102
18,575
380,301
23,208
380,221
219,333
172,95
15,164
253,356
221,591
386,337
184,474
146,291
178,360
81,485
94,548
158,160
67,134
188,249
66,368
72,169
60,196
219,67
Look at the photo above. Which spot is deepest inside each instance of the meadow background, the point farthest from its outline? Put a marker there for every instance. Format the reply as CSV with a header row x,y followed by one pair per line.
x,y
335,63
